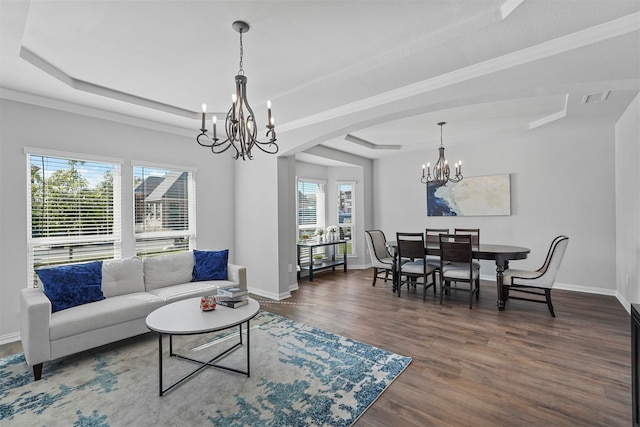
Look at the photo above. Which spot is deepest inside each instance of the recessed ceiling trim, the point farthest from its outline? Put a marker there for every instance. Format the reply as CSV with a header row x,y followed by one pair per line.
x,y
551,117
370,145
70,107
509,6
598,33
85,86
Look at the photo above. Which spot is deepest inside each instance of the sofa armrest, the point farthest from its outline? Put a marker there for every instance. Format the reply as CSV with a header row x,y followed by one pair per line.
x,y
237,274
35,316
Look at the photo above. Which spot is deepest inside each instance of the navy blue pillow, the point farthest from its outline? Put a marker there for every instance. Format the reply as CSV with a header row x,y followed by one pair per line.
x,y
67,286
210,265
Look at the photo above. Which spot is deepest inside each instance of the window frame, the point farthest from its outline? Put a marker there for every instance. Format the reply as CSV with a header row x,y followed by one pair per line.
x,y
189,233
319,211
351,245
113,238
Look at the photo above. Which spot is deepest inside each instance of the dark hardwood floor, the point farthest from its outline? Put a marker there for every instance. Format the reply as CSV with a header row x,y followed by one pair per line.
x,y
480,367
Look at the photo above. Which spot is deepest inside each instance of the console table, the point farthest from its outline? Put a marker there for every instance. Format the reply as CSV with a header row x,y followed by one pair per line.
x,y
332,262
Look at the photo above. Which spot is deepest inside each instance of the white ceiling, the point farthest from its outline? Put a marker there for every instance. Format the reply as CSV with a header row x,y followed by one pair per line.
x,y
384,72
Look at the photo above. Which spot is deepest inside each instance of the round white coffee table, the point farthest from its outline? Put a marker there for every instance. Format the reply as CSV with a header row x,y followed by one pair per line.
x,y
185,318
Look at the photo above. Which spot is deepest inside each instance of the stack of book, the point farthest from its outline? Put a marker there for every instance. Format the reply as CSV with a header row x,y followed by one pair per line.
x,y
232,297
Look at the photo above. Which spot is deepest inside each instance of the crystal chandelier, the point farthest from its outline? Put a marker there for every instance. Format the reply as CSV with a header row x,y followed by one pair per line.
x,y
240,124
441,172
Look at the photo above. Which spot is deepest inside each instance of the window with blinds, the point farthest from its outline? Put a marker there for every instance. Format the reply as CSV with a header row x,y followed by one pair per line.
x,y
73,209
346,217
164,209
311,206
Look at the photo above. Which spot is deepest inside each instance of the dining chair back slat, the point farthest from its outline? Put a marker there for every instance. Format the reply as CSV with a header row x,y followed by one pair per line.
x,y
473,232
411,245
432,234
456,248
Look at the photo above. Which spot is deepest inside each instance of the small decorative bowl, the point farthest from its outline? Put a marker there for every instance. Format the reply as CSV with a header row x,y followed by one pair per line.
x,y
208,303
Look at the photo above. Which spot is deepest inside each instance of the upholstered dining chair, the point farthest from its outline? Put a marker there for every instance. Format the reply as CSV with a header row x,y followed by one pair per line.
x,y
456,264
431,238
381,259
411,249
538,282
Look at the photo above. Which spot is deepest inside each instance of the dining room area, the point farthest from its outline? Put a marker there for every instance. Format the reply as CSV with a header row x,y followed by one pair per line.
x,y
440,259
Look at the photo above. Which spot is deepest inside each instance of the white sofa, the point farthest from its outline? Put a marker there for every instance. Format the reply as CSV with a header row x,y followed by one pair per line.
x,y
132,287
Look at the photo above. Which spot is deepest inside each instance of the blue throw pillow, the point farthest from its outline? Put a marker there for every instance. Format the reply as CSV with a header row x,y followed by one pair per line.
x,y
210,265
67,286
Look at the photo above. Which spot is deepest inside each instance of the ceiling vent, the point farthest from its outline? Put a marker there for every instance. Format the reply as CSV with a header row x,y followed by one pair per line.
x,y
595,97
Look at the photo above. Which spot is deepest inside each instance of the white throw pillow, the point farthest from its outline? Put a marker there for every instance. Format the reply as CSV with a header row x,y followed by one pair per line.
x,y
122,276
167,270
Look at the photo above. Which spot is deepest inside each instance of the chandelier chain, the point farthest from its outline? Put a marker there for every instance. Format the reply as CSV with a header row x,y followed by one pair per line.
x,y
241,70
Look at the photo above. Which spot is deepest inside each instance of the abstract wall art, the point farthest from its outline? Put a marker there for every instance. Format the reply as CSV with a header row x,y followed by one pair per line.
x,y
474,196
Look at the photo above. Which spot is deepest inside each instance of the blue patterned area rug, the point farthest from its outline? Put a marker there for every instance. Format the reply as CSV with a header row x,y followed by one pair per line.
x,y
300,376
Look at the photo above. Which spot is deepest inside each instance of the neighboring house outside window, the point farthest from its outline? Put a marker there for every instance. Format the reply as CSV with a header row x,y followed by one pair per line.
x,y
164,209
73,210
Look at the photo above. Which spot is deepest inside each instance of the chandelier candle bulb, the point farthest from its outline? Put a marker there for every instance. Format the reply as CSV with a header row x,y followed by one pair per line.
x,y
204,113
269,118
234,98
215,119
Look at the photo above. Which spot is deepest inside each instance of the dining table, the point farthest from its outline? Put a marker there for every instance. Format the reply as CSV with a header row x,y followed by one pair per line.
x,y
499,253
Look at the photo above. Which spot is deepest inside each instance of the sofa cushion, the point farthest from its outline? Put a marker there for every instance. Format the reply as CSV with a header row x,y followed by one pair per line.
x,y
101,314
167,270
68,286
187,290
210,265
122,276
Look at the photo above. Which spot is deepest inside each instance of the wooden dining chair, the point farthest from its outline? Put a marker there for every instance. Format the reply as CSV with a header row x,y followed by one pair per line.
x,y
431,239
456,265
411,249
381,259
538,282
475,238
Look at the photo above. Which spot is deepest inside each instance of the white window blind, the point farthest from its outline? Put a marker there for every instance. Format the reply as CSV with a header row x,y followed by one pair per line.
x,y
73,210
311,206
164,210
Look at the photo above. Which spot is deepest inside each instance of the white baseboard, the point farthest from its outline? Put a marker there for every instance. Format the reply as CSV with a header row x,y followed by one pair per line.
x,y
9,338
271,295
626,304
587,289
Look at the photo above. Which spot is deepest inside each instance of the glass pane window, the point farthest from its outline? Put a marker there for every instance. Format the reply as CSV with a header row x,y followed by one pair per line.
x,y
346,203
74,210
311,207
164,210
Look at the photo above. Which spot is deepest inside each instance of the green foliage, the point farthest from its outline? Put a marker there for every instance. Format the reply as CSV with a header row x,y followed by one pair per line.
x,y
65,204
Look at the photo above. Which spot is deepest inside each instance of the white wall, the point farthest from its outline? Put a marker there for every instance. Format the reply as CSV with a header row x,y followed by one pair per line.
x,y
23,125
560,184
627,136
